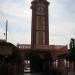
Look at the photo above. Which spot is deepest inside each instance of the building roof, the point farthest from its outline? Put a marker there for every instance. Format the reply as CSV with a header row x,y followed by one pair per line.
x,y
51,47
56,50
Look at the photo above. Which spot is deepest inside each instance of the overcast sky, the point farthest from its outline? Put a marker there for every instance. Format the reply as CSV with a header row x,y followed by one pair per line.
x,y
18,14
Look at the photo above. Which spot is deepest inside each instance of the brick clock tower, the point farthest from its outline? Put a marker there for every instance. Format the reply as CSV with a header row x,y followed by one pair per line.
x,y
40,27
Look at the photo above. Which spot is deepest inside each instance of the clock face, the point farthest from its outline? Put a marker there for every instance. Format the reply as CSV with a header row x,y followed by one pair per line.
x,y
40,9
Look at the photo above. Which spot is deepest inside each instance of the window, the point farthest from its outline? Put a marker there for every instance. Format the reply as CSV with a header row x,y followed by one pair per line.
x,y
40,23
40,38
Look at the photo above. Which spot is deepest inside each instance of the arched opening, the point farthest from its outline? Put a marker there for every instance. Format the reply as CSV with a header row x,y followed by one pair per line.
x,y
26,65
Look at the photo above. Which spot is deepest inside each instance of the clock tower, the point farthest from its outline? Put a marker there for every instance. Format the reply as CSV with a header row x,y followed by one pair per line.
x,y
40,27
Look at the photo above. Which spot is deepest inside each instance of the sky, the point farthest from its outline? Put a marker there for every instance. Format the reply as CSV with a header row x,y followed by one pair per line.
x,y
19,16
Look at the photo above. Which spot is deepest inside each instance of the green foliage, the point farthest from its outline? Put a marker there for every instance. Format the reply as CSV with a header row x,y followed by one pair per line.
x,y
71,54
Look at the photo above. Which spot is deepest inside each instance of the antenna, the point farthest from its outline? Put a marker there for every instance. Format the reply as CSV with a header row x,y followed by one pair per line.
x,y
6,30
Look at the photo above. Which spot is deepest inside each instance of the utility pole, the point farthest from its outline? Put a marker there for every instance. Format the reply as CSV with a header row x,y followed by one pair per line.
x,y
6,30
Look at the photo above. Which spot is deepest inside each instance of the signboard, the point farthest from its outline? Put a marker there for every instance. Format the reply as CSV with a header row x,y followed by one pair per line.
x,y
5,50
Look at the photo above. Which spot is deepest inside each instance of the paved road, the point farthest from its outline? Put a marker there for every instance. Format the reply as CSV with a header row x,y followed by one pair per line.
x,y
45,73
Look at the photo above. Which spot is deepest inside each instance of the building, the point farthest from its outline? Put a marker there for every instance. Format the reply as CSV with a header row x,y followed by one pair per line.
x,y
10,59
56,50
40,40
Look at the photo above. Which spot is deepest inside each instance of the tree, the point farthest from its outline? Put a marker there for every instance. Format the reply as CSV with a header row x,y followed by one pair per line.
x,y
71,55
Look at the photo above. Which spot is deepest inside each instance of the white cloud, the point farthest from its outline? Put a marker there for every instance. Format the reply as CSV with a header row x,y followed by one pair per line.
x,y
61,33
2,36
18,13
19,38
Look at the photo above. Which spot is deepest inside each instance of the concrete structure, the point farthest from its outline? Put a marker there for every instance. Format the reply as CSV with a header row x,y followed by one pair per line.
x,y
40,48
55,51
39,56
40,27
39,36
